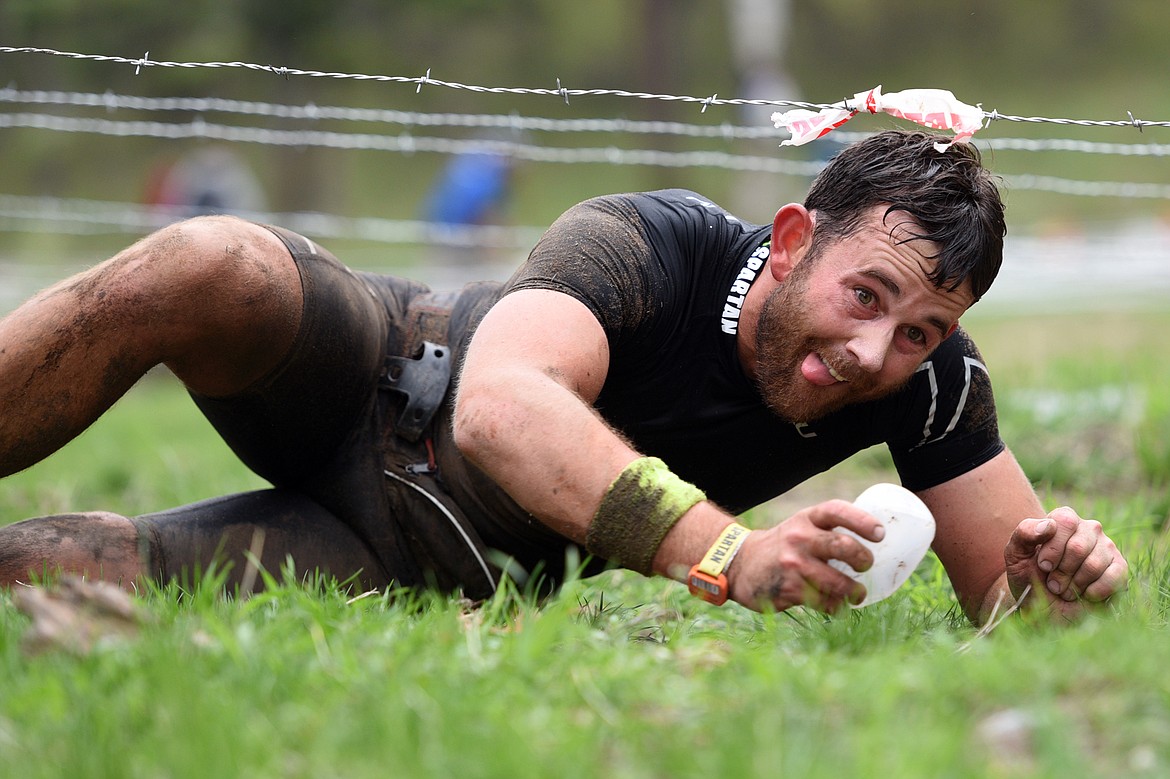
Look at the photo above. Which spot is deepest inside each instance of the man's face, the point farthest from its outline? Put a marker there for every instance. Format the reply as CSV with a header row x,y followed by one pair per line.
x,y
853,322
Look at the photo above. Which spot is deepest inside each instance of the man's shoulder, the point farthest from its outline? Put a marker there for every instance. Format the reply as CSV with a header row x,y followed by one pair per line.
x,y
682,202
950,396
676,201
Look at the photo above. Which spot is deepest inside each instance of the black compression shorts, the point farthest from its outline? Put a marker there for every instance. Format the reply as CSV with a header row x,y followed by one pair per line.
x,y
321,429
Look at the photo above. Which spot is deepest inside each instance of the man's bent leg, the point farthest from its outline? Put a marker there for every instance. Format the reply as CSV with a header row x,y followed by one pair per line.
x,y
268,527
217,299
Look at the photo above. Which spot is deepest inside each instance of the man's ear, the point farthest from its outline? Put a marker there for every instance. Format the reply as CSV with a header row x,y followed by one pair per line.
x,y
792,230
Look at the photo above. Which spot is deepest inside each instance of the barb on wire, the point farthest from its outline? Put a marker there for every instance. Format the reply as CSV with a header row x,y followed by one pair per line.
x,y
1131,122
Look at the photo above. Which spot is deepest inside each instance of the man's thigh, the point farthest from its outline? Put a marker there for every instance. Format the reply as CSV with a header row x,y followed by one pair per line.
x,y
291,423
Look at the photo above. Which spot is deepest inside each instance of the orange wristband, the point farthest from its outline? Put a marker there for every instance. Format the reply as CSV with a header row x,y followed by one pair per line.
x,y
707,579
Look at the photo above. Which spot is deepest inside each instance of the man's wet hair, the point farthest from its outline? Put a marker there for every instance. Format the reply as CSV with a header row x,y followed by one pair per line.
x,y
951,196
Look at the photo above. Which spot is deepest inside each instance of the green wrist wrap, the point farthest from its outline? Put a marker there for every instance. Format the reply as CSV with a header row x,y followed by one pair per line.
x,y
638,510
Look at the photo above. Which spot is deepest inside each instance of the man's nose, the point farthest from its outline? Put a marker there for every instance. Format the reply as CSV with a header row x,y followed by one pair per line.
x,y
870,346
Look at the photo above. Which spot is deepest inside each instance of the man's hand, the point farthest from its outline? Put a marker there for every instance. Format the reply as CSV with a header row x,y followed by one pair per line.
x,y
787,565
1068,558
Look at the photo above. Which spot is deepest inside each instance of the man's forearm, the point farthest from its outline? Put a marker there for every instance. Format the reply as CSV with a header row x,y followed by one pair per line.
x,y
524,415
544,447
690,537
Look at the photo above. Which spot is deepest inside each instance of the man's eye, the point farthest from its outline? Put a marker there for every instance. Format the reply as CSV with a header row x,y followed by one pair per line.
x,y
916,335
864,296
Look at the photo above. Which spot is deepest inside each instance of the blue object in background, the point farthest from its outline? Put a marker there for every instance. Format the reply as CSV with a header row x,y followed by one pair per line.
x,y
470,187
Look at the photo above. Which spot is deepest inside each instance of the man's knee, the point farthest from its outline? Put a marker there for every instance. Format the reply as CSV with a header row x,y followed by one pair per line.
x,y
97,545
221,254
234,299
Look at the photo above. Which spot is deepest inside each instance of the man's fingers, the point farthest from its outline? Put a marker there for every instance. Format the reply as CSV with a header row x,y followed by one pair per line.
x,y
828,590
1078,558
831,545
1091,566
1027,536
1070,557
1066,523
840,513
801,549
1115,579
809,582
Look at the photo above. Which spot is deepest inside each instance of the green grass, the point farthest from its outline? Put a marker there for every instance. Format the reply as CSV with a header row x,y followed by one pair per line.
x,y
620,676
152,450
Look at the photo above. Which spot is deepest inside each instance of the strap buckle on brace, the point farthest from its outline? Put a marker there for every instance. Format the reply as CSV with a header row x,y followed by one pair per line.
x,y
423,382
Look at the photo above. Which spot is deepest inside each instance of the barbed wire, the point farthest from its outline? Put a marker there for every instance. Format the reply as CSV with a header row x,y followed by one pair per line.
x,y
561,91
407,143
419,81
313,112
1120,189
110,101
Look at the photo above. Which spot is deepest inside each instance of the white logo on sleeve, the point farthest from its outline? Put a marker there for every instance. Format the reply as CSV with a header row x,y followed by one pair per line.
x,y
714,209
929,435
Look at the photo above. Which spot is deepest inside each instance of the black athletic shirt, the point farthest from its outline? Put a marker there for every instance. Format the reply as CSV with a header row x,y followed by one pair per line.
x,y
665,274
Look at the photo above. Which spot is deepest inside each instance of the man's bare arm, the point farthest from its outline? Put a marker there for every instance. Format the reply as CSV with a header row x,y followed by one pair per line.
x,y
994,538
523,415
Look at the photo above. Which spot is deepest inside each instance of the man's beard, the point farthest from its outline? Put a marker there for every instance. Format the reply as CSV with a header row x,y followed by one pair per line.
x,y
784,339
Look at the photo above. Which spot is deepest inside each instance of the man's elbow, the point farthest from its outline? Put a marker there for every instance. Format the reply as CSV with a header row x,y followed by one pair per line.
x,y
475,423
